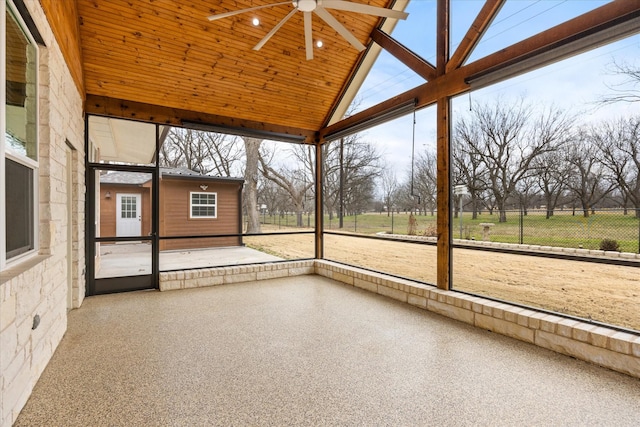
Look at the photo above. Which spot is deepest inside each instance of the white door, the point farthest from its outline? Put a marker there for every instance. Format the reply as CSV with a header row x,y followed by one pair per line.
x,y
128,215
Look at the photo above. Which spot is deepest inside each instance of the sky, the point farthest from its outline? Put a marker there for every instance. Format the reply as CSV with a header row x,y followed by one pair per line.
x,y
573,84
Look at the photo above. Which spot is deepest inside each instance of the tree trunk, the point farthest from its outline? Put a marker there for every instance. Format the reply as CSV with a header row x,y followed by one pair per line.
x,y
252,147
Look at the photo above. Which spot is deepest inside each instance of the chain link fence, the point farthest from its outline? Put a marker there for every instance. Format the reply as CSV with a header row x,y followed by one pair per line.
x,y
609,229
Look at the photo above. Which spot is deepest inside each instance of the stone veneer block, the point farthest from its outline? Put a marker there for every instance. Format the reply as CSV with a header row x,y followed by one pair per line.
x,y
581,332
366,285
549,323
511,314
392,293
565,327
301,270
524,316
534,320
325,272
498,310
504,327
170,285
272,274
600,336
457,313
635,347
341,277
600,356
620,342
239,278
417,301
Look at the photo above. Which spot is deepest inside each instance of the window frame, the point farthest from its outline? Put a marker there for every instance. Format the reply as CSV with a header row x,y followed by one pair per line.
x,y
9,9
191,205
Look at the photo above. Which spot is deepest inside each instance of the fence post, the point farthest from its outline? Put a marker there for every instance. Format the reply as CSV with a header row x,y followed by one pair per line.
x,y
355,226
391,221
521,225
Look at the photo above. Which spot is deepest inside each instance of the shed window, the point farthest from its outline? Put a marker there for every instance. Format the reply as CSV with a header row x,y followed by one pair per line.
x,y
203,205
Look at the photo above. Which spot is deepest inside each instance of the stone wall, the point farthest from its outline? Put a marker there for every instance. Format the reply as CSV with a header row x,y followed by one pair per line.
x,y
38,287
203,277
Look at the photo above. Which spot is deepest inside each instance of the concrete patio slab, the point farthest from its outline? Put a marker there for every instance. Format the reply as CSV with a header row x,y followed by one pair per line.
x,y
131,259
307,350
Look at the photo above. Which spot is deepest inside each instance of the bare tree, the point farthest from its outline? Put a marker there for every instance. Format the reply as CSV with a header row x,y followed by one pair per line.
x,y
388,186
468,168
204,152
349,170
628,88
272,196
224,152
525,192
295,178
510,139
619,145
587,180
552,173
425,180
251,175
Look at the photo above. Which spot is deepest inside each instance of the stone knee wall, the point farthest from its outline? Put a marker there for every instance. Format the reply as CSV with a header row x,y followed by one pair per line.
x,y
214,276
38,287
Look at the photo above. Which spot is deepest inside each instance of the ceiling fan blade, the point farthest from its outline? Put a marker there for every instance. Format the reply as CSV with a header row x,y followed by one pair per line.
x,y
333,23
364,8
308,37
236,12
274,30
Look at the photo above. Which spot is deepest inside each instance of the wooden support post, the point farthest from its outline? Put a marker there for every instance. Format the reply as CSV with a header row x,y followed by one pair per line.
x,y
443,154
319,235
444,195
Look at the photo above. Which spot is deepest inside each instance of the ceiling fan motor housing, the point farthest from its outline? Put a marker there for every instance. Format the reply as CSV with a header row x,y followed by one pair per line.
x,y
305,5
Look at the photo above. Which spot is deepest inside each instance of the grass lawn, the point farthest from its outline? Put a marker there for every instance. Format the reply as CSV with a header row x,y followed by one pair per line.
x,y
563,229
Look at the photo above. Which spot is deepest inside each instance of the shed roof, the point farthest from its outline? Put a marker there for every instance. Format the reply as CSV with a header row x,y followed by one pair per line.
x,y
139,178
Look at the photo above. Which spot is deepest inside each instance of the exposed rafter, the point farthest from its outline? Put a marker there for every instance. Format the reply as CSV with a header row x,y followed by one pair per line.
x,y
487,14
422,67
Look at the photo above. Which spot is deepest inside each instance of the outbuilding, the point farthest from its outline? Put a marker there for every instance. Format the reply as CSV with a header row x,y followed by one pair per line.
x,y
194,208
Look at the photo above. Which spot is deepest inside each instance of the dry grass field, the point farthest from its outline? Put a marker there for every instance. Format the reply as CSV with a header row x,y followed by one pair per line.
x,y
602,292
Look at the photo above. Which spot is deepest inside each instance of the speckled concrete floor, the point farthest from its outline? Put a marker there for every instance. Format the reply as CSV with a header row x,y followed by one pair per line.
x,y
307,351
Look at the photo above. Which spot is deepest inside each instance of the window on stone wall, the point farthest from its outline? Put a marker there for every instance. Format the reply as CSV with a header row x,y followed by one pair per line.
x,y
18,138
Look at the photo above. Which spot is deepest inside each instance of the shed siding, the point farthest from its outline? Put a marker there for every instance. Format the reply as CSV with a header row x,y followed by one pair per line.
x,y
108,207
175,219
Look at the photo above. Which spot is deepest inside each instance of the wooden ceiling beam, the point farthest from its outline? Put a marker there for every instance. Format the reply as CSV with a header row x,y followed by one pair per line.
x,y
455,82
422,67
588,24
111,107
469,42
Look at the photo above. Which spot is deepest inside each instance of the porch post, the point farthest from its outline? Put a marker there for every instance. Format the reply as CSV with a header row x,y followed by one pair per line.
x,y
443,154
319,223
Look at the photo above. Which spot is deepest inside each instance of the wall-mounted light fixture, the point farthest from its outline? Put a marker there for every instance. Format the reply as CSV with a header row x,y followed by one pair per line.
x,y
107,195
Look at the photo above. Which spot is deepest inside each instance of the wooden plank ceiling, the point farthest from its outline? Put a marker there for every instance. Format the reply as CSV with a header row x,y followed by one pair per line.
x,y
166,53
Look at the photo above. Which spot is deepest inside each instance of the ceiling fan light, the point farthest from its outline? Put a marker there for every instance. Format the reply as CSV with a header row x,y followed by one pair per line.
x,y
307,5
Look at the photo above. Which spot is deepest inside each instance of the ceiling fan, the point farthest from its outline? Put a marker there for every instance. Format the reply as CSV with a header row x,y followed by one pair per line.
x,y
319,7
